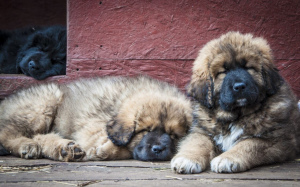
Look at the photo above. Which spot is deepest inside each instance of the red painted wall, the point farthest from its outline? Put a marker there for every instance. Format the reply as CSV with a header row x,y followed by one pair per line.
x,y
161,38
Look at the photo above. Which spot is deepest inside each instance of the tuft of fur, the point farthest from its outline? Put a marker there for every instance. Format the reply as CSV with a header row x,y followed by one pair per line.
x,y
95,119
245,114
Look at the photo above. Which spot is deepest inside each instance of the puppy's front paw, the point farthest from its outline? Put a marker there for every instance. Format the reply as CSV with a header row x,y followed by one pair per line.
x,y
183,165
71,152
30,150
225,165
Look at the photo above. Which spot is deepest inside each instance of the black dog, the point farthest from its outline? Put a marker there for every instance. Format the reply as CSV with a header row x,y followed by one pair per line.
x,y
38,52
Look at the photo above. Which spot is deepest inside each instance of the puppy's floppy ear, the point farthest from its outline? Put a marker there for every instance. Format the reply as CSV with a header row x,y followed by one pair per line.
x,y
272,79
201,85
270,74
202,91
118,133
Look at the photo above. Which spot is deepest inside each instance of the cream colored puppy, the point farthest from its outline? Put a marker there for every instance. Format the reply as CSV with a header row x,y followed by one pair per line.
x,y
95,119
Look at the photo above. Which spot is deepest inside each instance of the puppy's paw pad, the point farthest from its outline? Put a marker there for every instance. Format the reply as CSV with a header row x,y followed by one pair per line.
x,y
183,165
30,151
72,152
224,165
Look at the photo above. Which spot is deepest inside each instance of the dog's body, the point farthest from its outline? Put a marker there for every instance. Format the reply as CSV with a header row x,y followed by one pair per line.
x,y
245,114
38,52
95,119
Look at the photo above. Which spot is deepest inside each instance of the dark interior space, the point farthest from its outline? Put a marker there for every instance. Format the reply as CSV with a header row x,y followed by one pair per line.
x,y
21,13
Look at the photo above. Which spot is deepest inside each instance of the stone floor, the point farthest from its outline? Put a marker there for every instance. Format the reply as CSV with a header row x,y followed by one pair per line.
x,y
20,172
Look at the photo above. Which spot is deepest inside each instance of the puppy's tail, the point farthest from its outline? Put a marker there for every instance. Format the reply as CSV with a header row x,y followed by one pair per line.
x,y
3,151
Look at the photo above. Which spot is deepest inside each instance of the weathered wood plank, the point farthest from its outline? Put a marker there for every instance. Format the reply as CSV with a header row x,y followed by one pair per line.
x,y
20,170
10,83
166,183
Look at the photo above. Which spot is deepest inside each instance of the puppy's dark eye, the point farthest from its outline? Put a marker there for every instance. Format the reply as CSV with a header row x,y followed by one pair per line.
x,y
53,61
226,67
44,49
243,62
57,60
174,136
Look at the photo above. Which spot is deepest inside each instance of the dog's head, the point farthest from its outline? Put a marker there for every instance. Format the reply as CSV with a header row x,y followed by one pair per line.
x,y
234,72
151,126
44,53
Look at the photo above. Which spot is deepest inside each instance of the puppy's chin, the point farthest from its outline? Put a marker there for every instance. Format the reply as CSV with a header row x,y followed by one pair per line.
x,y
241,102
236,104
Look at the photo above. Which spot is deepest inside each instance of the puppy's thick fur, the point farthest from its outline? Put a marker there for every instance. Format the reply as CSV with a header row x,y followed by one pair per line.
x,y
39,52
245,114
95,119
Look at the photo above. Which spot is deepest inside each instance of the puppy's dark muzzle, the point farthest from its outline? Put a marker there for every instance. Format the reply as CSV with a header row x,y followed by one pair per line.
x,y
155,146
238,90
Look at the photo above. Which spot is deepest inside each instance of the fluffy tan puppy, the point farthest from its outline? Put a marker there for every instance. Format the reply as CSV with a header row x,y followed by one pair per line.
x,y
245,114
95,119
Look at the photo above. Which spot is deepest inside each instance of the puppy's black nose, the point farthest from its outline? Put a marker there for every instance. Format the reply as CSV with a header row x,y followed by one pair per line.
x,y
32,65
239,86
157,148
